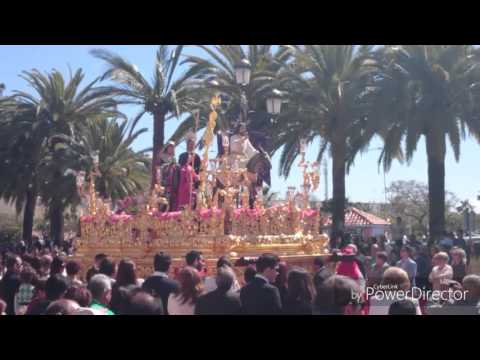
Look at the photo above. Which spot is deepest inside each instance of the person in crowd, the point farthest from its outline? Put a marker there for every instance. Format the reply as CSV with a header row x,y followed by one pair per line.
x,y
260,297
398,232
58,266
408,264
73,268
372,259
45,263
321,272
62,307
460,242
11,281
300,294
281,280
55,288
195,259
471,303
100,287
3,307
80,294
424,266
249,274
210,282
126,276
142,303
183,301
108,267
447,241
434,249
459,264
402,307
25,293
39,295
375,274
318,264
395,284
336,297
223,300
441,272
95,268
358,257
35,264
348,266
159,284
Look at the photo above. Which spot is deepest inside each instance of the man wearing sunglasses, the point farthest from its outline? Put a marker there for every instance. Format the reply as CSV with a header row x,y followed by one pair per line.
x,y
260,297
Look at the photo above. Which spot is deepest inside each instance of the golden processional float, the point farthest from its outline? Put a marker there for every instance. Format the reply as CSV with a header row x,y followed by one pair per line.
x,y
227,227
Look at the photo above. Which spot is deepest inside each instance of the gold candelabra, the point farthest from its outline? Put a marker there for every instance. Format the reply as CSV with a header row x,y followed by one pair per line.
x,y
158,190
311,177
207,141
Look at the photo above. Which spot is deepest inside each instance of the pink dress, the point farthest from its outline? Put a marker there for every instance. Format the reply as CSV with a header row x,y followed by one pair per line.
x,y
186,186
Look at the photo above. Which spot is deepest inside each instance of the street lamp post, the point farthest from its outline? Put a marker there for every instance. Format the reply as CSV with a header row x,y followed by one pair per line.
x,y
243,72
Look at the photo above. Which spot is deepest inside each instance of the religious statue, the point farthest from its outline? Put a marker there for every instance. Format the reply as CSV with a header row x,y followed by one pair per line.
x,y
189,179
190,156
169,174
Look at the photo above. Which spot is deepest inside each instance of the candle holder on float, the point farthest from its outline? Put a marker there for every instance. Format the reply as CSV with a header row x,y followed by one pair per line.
x,y
156,195
80,184
92,194
259,198
207,141
310,172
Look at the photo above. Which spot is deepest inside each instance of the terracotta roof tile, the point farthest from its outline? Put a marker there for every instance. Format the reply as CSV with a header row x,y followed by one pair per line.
x,y
357,217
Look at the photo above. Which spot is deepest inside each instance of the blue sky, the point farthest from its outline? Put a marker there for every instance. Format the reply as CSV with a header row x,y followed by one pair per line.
x,y
364,183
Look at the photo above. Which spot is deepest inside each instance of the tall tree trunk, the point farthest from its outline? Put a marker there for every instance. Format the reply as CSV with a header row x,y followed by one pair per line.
x,y
436,184
158,140
338,177
56,224
28,216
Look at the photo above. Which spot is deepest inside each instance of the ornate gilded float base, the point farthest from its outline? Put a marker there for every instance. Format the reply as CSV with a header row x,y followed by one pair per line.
x,y
296,249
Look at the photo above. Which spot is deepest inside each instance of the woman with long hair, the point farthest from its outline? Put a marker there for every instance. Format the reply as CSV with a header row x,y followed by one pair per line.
x,y
183,301
126,276
300,293
459,264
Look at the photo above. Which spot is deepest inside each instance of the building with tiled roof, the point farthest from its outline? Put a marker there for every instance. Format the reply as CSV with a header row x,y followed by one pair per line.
x,y
362,223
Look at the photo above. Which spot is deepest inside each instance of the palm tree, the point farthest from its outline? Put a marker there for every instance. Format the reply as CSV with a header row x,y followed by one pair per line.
x,y
331,91
163,98
37,128
433,94
18,184
123,171
219,65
